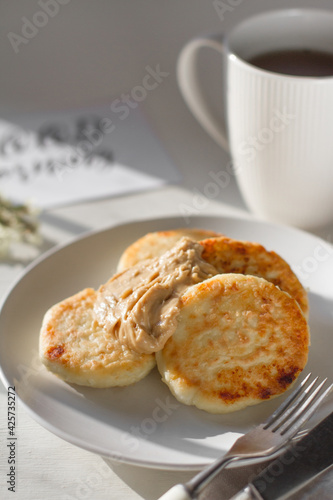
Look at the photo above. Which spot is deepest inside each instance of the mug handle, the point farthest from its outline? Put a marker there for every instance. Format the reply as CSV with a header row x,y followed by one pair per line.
x,y
190,89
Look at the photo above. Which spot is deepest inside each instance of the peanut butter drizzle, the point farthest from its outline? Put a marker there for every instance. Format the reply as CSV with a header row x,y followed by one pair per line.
x,y
139,306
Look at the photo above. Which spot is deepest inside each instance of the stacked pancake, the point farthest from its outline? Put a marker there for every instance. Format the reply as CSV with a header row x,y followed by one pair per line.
x,y
76,346
234,335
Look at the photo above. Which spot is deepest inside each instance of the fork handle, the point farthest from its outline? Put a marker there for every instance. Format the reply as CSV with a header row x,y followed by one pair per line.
x,y
198,482
177,492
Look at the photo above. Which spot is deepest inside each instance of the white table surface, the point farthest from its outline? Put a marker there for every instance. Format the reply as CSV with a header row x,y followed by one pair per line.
x,y
48,467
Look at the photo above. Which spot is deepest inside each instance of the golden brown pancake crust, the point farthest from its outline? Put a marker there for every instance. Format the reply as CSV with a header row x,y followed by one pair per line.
x,y
74,346
244,257
239,340
156,243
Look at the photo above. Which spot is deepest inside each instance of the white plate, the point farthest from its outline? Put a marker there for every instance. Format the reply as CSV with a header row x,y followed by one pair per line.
x,y
143,424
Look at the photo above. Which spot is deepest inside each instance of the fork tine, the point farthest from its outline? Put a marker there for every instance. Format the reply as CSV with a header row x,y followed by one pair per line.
x,y
300,435
305,412
287,420
281,409
308,394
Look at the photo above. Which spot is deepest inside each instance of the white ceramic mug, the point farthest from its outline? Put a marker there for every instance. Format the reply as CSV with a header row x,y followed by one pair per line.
x,y
279,127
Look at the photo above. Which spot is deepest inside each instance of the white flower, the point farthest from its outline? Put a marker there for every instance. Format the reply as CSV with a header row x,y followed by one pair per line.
x,y
18,223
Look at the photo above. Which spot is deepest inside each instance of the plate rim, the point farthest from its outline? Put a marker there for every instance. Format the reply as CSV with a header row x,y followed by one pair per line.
x,y
90,234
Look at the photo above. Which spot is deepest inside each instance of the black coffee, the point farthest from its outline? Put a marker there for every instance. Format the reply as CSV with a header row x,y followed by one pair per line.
x,y
296,62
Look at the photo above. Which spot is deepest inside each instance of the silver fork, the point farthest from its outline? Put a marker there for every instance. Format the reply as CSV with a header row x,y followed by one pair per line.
x,y
264,440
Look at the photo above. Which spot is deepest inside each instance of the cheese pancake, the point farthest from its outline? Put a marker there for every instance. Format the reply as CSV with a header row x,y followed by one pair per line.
x,y
76,348
157,243
243,257
140,304
240,340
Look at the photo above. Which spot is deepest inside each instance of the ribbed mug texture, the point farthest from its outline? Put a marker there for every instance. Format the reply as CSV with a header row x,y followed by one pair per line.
x,y
281,139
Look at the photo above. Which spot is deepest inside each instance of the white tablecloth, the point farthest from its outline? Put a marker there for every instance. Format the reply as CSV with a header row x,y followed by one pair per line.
x,y
49,467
